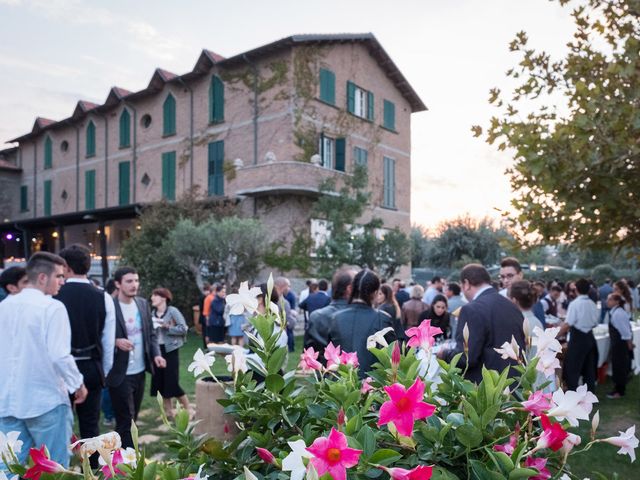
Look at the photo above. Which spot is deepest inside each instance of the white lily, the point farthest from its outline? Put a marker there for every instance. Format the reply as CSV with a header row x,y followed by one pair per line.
x,y
627,441
546,339
547,362
237,360
567,406
509,350
201,363
10,443
245,299
378,338
293,462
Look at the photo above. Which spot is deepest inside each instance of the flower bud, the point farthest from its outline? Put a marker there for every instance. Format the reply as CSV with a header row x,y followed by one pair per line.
x,y
595,421
341,417
395,356
266,455
465,336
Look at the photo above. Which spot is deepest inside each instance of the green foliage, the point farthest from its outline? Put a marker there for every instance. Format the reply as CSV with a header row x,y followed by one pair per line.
x,y
576,151
420,246
159,266
294,258
603,272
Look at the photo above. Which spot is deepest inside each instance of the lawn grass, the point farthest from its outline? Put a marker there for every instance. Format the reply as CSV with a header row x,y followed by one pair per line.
x,y
615,416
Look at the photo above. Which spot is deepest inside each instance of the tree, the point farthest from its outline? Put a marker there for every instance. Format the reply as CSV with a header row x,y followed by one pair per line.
x,y
420,246
464,239
573,125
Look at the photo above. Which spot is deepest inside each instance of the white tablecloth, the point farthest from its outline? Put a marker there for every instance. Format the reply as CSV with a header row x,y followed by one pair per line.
x,y
604,345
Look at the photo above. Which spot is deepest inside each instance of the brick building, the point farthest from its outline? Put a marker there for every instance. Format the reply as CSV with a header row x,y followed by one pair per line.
x,y
264,126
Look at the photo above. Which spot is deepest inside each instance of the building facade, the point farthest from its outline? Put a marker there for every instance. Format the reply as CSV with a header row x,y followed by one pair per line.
x,y
265,126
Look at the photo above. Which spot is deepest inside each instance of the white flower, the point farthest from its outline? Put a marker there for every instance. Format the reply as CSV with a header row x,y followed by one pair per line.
x,y
199,475
547,363
248,475
237,360
509,350
201,363
587,399
293,462
128,457
546,339
10,443
270,284
245,299
627,441
567,405
378,338
104,444
571,441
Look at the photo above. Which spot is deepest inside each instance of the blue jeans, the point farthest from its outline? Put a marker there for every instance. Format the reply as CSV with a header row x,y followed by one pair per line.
x,y
52,429
107,407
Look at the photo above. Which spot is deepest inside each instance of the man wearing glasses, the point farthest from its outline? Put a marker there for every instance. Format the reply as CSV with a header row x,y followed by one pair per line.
x,y
510,271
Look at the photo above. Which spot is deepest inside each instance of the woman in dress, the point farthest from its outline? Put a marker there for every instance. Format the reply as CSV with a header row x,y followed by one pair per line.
x,y
621,338
171,330
438,313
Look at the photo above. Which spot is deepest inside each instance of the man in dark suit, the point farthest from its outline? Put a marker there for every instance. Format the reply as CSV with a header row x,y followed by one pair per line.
x,y
137,351
491,319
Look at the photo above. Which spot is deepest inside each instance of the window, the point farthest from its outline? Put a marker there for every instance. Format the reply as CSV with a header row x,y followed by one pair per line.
x,y
24,199
389,115
389,182
91,139
216,100
47,198
360,156
359,101
145,121
125,129
64,146
48,152
216,168
169,175
169,116
123,183
332,152
327,86
90,189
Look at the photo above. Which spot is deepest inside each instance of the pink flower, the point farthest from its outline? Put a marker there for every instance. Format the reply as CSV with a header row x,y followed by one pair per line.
x,y
341,417
421,472
266,456
366,385
510,446
347,358
395,356
553,435
547,363
42,464
309,360
538,403
332,356
571,441
627,441
115,461
422,335
540,465
333,455
405,407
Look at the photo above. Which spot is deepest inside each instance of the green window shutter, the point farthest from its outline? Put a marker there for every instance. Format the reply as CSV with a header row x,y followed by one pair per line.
x,y
360,156
216,168
216,100
327,86
340,154
169,175
389,117
91,139
169,116
389,182
125,129
351,97
24,198
370,106
90,189
48,152
123,182
47,198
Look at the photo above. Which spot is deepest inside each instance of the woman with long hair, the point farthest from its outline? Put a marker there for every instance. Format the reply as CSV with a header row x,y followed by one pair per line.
x,y
387,303
621,288
171,330
351,327
438,313
621,338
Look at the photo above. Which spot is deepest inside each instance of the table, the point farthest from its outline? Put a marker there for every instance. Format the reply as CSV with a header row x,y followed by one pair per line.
x,y
604,345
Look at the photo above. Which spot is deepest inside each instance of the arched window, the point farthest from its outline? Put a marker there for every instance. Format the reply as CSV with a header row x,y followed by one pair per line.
x,y
169,116
48,152
216,100
125,129
91,139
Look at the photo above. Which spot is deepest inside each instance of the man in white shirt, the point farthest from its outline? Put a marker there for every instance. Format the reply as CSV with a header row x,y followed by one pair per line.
x,y
432,290
37,370
582,351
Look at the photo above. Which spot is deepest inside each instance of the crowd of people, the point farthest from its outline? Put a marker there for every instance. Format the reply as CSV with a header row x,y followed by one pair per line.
x,y
80,347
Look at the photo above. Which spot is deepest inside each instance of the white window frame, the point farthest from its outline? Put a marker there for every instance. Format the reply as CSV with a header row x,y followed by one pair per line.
x,y
327,151
360,106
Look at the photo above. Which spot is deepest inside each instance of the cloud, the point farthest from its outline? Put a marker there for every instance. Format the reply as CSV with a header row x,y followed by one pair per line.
x,y
42,68
148,40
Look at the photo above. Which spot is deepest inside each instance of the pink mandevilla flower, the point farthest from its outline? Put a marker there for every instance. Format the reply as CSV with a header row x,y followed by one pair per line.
x,y
538,403
553,435
404,407
421,472
510,446
42,464
332,356
423,335
627,441
309,360
115,461
540,465
333,455
366,385
349,358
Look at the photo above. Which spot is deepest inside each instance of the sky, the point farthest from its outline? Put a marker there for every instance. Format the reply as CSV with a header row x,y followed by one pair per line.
x,y
56,52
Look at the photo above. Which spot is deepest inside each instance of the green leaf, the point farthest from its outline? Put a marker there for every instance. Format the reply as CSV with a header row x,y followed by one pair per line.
x,y
483,473
522,473
455,419
469,435
274,382
150,471
214,449
276,361
182,420
440,473
367,439
490,414
503,460
384,456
